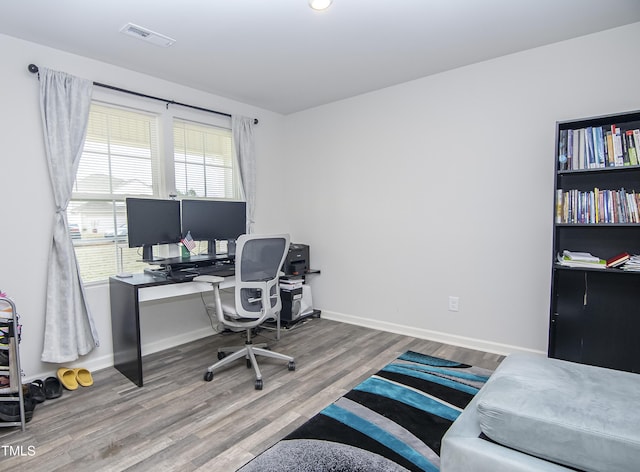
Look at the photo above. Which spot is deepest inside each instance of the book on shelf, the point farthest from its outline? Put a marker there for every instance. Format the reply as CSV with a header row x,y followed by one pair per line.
x,y
631,148
625,150
596,147
563,161
610,152
570,152
617,145
597,206
591,153
618,259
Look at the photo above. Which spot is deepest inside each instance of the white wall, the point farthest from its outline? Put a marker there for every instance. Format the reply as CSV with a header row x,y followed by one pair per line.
x,y
27,202
437,187
444,185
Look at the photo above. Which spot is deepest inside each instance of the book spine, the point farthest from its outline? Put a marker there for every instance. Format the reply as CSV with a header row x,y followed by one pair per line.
x,y
559,211
610,154
598,141
591,156
562,150
570,149
625,150
582,149
597,206
617,145
631,209
633,158
605,148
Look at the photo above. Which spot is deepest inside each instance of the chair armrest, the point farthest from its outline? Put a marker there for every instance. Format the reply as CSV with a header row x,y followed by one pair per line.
x,y
212,279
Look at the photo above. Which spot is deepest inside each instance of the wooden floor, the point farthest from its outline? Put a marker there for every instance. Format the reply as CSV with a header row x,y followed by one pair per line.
x,y
177,421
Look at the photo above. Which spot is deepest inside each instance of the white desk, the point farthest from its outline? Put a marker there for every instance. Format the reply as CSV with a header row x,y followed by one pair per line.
x,y
158,292
126,294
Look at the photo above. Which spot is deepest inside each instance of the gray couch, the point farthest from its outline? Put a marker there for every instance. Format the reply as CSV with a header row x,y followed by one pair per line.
x,y
539,414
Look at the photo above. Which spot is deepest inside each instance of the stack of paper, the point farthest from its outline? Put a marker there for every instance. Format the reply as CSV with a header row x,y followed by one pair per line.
x,y
633,264
289,284
581,259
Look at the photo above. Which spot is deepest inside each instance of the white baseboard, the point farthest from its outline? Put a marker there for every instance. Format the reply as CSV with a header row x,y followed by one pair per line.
x,y
102,362
461,341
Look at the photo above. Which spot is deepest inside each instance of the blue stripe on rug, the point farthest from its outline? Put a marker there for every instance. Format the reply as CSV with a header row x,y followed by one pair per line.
x,y
438,370
378,434
387,389
429,360
431,378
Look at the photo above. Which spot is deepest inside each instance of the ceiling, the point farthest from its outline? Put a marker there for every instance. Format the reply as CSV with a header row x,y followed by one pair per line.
x,y
282,56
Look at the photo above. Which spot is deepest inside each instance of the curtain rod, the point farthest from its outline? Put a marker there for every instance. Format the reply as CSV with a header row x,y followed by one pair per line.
x,y
34,70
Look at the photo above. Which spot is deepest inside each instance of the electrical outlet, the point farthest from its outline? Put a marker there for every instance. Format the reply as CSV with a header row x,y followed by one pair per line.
x,y
454,303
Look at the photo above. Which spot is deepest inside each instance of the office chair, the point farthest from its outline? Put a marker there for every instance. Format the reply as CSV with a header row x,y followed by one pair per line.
x,y
254,299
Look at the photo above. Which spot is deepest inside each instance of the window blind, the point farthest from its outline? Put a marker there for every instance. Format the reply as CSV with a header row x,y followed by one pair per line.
x,y
204,161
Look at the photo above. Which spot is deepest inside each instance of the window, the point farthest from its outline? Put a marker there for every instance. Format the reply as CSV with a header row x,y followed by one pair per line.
x,y
204,161
122,158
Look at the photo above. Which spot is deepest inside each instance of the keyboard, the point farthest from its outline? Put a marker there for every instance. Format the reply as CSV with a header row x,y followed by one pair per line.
x,y
181,276
220,271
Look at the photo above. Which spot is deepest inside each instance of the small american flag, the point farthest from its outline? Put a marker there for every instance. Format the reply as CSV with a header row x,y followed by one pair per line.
x,y
188,241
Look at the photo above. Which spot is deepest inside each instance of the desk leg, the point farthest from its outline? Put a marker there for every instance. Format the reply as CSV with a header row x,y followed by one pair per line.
x,y
125,330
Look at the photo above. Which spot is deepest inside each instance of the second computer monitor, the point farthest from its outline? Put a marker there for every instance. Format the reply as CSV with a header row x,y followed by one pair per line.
x,y
211,220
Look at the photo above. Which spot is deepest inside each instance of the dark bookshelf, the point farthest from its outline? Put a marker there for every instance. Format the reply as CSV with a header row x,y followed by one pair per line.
x,y
595,313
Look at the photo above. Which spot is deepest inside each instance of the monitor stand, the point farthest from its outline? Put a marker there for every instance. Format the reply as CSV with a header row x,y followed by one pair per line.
x,y
231,247
147,254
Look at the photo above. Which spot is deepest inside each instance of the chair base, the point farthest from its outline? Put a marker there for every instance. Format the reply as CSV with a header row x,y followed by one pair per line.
x,y
249,351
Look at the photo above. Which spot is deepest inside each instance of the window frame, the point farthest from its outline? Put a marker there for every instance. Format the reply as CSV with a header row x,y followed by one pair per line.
x,y
164,173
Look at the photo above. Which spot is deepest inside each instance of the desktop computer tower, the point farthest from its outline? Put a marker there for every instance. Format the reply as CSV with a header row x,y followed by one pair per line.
x,y
296,303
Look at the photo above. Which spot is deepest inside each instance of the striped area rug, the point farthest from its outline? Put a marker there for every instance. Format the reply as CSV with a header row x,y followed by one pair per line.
x,y
393,421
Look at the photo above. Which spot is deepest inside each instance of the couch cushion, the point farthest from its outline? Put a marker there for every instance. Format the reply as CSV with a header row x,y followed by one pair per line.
x,y
573,414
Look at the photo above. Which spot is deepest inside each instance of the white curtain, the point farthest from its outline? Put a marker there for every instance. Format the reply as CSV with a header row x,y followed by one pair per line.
x,y
64,105
242,129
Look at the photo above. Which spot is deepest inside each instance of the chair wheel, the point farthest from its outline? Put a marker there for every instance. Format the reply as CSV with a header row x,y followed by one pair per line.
x,y
221,355
208,376
259,384
248,363
292,365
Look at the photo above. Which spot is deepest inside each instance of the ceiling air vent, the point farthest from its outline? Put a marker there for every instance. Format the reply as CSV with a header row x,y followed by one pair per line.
x,y
147,35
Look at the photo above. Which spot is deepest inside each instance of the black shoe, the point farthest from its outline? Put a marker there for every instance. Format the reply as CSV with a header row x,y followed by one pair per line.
x,y
36,390
4,358
10,411
52,388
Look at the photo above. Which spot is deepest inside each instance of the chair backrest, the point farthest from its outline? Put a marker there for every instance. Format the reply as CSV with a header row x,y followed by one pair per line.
x,y
259,258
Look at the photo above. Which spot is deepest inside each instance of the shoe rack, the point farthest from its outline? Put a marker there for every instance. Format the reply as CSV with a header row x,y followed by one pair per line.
x,y
11,396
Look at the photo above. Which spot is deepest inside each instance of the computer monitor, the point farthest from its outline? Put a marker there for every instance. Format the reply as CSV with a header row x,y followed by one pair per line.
x,y
211,220
152,221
